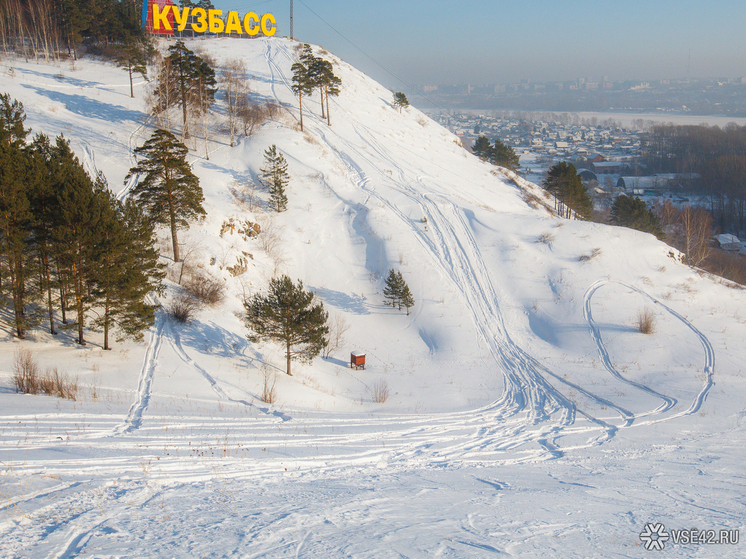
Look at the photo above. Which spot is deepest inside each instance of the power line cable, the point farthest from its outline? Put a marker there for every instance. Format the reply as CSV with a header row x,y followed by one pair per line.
x,y
410,86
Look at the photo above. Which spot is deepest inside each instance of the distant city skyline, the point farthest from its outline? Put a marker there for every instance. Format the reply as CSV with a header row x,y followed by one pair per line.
x,y
482,42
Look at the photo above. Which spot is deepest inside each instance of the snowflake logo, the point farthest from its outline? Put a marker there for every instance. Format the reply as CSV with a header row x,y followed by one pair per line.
x,y
654,536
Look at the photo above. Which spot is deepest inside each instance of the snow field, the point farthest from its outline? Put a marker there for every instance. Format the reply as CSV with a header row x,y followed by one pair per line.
x,y
526,416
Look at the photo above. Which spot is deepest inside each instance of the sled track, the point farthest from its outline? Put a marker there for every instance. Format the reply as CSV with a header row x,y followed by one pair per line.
x,y
145,383
668,402
526,391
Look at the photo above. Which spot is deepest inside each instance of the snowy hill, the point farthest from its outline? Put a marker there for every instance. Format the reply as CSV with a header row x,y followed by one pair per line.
x,y
526,413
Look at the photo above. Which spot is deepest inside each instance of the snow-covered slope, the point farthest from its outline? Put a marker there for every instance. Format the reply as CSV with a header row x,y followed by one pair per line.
x,y
525,413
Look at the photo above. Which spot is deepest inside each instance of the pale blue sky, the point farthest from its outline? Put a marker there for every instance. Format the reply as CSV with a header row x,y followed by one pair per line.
x,y
485,42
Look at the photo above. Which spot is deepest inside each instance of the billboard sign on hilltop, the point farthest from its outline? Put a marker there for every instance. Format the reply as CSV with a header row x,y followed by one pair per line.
x,y
162,17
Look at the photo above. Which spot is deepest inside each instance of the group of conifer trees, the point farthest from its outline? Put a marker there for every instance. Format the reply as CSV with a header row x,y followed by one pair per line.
x,y
396,292
184,80
311,73
70,252
49,27
500,154
570,195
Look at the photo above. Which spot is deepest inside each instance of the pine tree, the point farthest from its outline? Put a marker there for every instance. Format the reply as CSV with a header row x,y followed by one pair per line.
x,y
400,101
633,213
303,78
275,176
291,315
406,298
44,208
127,270
396,292
132,59
321,74
482,148
331,85
391,289
192,80
15,214
169,192
569,192
81,222
504,156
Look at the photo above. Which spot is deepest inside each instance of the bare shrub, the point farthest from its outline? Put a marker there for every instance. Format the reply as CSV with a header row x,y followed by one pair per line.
x,y
252,115
183,307
547,238
205,289
269,390
645,321
272,109
271,243
236,88
59,384
586,257
380,391
532,200
335,338
28,380
697,227
245,195
26,372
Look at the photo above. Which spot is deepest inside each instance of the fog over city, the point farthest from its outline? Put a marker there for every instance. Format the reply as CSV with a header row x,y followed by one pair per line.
x,y
497,42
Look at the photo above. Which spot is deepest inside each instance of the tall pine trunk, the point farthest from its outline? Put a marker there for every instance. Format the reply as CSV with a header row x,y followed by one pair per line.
x,y
63,294
16,284
288,357
328,116
46,279
300,97
287,340
185,132
77,271
107,320
174,238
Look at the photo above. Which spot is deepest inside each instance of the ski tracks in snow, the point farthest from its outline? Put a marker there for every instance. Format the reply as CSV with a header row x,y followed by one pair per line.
x,y
145,382
455,251
531,409
667,402
546,412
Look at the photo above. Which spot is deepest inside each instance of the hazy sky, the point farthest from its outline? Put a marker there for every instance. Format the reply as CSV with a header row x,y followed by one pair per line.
x,y
477,41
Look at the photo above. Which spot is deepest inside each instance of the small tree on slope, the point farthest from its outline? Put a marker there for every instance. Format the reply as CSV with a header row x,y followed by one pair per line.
x,y
634,213
132,58
289,314
391,289
407,299
275,176
396,292
400,101
504,156
482,148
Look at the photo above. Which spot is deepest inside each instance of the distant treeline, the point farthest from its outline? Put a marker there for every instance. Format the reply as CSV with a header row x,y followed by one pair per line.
x,y
718,155
51,28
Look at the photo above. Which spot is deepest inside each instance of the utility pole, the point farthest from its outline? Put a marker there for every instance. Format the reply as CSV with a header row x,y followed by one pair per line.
x,y
291,20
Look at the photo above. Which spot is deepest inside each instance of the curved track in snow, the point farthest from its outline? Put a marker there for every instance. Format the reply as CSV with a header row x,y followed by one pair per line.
x,y
668,402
